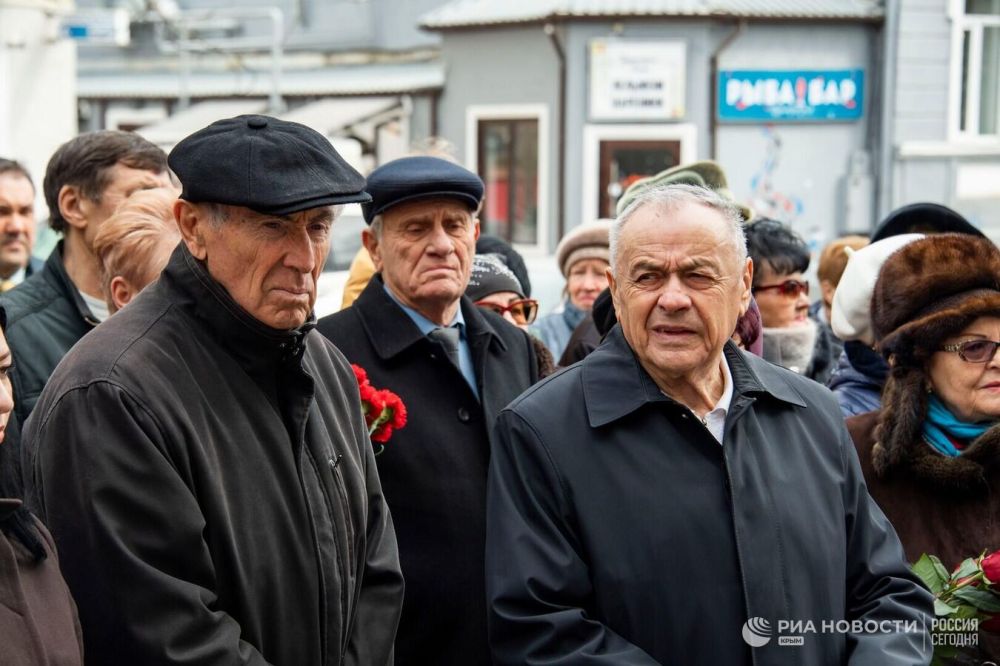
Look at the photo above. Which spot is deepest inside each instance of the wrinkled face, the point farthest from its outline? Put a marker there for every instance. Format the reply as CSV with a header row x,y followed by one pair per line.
x,y
17,222
779,309
587,279
678,288
425,252
970,390
6,394
269,264
123,181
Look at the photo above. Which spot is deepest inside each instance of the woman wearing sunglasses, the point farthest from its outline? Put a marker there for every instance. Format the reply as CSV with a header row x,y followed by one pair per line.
x,y
493,286
791,338
931,453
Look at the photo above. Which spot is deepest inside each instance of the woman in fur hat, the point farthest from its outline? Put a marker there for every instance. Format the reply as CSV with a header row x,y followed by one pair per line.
x,y
931,453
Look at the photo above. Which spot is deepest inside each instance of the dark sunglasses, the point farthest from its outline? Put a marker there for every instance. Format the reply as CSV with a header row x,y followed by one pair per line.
x,y
790,288
523,311
974,351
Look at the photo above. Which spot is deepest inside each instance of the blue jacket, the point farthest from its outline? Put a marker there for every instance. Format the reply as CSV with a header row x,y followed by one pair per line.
x,y
857,380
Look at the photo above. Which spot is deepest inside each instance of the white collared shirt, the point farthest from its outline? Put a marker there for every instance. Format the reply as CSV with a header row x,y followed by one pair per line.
x,y
715,420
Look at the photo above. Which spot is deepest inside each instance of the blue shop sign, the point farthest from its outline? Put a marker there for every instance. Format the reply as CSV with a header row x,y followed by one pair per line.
x,y
791,95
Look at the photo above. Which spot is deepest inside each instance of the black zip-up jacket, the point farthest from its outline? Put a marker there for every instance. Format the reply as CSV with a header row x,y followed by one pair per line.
x,y
212,490
46,316
619,530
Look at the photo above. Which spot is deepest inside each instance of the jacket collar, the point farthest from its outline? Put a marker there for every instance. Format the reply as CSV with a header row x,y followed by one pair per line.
x,y
391,331
615,383
246,338
55,271
8,506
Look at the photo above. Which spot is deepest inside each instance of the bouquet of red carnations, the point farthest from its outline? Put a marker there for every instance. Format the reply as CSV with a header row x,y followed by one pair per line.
x,y
384,410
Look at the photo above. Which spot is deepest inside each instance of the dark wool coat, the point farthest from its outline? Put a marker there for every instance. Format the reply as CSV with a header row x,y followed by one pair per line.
x,y
38,623
212,489
943,506
433,471
619,531
949,507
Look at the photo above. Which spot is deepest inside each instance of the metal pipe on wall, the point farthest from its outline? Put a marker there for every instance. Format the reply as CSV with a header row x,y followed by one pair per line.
x,y
550,31
713,87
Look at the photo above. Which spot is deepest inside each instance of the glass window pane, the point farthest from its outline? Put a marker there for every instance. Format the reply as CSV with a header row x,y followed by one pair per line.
x,y
525,182
982,7
494,151
989,82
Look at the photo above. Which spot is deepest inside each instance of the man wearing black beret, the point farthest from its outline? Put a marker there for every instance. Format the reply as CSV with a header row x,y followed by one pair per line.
x,y
201,457
455,367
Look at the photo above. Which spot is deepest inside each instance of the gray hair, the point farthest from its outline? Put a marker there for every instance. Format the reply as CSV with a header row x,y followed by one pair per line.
x,y
669,198
376,227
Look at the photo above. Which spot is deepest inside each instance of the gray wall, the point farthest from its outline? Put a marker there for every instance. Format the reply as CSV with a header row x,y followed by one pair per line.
x,y
919,96
812,159
502,66
517,65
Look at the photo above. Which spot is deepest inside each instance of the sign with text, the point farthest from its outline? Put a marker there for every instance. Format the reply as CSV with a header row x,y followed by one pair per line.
x,y
791,95
632,80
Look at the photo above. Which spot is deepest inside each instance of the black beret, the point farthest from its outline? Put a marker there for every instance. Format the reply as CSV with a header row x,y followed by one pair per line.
x,y
420,177
268,165
924,218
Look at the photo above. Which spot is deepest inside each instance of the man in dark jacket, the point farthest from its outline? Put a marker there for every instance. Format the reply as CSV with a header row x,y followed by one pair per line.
x,y
673,500
201,458
17,225
85,180
422,241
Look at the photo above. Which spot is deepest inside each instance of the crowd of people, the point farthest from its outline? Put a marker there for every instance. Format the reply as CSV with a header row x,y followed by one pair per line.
x,y
692,443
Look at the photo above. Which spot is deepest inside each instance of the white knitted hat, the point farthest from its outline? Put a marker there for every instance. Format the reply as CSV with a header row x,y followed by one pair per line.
x,y
851,312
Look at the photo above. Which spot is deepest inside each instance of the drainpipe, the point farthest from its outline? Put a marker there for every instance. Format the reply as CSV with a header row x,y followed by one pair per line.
x,y
713,86
550,30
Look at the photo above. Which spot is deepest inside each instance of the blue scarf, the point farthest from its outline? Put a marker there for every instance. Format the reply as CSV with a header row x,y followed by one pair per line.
x,y
941,423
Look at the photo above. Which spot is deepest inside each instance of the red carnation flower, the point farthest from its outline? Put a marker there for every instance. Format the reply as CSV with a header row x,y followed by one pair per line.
x,y
384,411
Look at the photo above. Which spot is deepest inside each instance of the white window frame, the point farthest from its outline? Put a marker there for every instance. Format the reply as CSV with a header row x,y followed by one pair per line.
x,y
686,133
974,24
537,112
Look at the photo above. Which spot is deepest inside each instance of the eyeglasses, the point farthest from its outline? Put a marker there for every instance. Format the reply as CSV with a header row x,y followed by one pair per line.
x,y
523,311
790,288
974,351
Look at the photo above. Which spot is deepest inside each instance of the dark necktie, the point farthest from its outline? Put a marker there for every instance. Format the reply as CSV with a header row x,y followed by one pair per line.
x,y
448,338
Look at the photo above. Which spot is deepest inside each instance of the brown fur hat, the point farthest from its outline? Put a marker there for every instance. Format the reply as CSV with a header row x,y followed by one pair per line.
x,y
931,289
926,291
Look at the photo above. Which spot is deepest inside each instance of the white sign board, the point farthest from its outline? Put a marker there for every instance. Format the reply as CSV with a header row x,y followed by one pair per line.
x,y
631,80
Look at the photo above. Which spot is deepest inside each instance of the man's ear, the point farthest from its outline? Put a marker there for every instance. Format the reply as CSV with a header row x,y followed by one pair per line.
x,y
73,206
192,223
746,282
477,230
373,246
612,287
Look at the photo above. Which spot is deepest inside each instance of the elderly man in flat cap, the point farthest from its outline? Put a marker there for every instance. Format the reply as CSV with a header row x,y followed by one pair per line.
x,y
201,457
455,367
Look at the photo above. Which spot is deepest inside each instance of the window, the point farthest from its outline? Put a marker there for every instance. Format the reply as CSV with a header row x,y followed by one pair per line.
x,y
978,34
624,162
507,151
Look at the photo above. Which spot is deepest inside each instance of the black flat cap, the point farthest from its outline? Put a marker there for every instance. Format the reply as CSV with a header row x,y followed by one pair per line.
x,y
268,165
421,177
923,218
